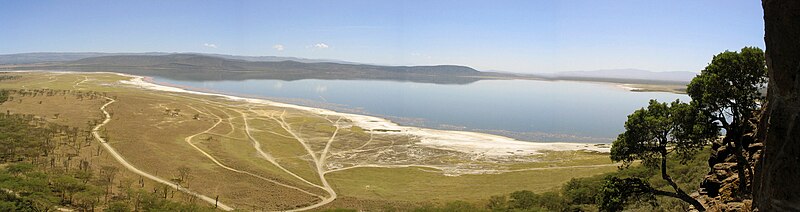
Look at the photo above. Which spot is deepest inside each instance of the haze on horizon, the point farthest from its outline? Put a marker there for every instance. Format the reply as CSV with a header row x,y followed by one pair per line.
x,y
516,36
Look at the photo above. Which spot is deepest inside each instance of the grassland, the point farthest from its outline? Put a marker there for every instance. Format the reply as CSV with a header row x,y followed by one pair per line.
x,y
264,157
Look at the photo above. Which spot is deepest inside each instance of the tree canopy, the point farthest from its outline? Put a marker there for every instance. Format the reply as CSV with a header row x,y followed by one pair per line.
x,y
651,134
729,89
729,92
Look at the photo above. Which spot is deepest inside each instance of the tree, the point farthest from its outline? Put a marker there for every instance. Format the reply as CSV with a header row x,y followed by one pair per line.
x,y
184,174
3,96
88,199
67,186
654,133
107,175
581,190
616,192
118,206
727,91
522,200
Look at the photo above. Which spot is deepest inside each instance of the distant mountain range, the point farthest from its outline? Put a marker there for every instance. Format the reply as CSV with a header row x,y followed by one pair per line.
x,y
199,66
205,67
629,74
41,57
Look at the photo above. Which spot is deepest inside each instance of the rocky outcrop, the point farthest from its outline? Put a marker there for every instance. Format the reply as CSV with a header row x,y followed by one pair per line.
x,y
776,186
719,190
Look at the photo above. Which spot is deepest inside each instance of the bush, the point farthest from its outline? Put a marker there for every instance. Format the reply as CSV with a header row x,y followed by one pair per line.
x,y
522,200
579,191
3,96
498,203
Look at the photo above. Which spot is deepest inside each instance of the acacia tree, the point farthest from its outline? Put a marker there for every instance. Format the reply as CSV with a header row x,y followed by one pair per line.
x,y
107,175
652,135
727,92
184,174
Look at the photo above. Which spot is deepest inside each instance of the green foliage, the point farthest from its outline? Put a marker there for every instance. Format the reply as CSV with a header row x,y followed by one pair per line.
x,y
522,200
728,88
460,206
580,191
552,201
152,202
728,92
20,168
651,135
528,201
118,207
21,137
616,192
653,132
29,191
3,96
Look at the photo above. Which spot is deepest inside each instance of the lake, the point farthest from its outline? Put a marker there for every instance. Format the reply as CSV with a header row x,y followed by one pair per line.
x,y
531,110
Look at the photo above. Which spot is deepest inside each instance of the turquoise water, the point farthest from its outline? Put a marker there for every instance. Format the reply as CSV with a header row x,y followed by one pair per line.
x,y
523,109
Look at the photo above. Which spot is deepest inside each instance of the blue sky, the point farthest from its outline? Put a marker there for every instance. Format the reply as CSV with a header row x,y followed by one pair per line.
x,y
520,36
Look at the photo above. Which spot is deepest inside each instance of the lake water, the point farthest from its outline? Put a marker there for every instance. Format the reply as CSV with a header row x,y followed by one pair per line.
x,y
523,109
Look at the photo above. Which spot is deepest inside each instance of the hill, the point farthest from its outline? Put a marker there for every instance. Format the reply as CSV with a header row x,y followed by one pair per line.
x,y
45,57
203,67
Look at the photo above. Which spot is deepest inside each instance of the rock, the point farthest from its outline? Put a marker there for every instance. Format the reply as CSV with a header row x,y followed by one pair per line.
x,y
711,185
721,173
725,166
732,179
719,154
730,158
755,147
756,156
719,190
748,204
727,194
734,206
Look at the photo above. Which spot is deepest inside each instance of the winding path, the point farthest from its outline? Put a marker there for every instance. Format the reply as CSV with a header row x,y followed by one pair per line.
x,y
219,120
318,162
132,168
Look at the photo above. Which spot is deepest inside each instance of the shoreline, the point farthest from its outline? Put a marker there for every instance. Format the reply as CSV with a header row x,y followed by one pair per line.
x,y
402,121
481,144
461,141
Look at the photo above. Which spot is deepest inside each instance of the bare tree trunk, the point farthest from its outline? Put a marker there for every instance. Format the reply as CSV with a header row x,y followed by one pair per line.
x,y
734,136
680,193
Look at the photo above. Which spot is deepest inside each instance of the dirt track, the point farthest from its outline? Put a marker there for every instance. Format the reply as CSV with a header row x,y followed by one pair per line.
x,y
132,168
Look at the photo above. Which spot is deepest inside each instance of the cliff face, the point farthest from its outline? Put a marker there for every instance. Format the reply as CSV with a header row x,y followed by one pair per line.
x,y
777,177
